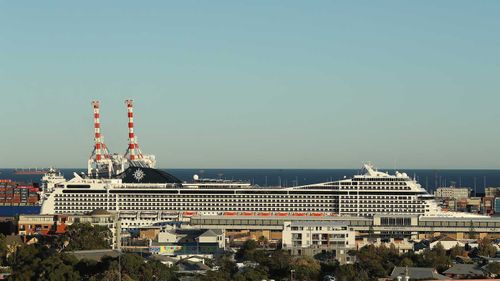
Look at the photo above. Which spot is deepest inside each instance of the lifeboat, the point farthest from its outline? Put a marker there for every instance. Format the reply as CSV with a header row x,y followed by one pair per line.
x,y
316,214
247,214
229,214
298,214
282,214
264,214
189,214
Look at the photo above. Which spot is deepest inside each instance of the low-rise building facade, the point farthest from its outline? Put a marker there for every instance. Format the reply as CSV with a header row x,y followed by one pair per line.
x,y
37,224
402,245
188,242
318,237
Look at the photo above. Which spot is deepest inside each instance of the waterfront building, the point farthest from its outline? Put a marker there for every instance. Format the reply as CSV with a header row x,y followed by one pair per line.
x,y
474,205
488,205
455,193
492,192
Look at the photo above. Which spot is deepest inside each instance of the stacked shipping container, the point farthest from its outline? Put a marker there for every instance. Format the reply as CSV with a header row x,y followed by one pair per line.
x,y
17,194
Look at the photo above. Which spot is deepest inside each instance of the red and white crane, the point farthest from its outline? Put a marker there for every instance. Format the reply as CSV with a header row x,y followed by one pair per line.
x,y
100,159
133,153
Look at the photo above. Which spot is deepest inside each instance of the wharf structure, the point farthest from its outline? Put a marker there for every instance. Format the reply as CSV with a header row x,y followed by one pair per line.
x,y
388,226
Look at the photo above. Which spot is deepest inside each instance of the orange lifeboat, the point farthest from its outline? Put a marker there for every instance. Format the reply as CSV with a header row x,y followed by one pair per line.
x,y
316,214
189,214
247,214
229,213
298,214
282,214
264,214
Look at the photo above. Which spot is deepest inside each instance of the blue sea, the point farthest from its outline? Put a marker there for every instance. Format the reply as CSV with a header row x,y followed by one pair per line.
x,y
430,179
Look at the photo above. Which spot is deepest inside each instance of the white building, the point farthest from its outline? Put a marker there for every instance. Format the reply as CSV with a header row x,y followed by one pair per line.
x,y
447,242
316,237
402,245
452,192
492,192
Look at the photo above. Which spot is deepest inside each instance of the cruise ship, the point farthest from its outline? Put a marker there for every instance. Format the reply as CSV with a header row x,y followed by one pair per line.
x,y
151,195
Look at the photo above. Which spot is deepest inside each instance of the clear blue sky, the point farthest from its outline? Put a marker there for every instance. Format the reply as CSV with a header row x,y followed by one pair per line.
x,y
238,84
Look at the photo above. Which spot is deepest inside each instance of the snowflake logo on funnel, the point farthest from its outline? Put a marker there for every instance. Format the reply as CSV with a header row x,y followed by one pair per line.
x,y
139,174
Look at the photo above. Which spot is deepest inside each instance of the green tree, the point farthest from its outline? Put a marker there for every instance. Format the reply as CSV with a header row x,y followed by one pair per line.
x,y
161,271
306,268
219,275
35,262
374,260
472,230
437,258
88,268
263,242
246,251
57,267
84,236
226,264
494,268
279,265
406,262
486,248
350,272
110,275
251,274
371,232
457,251
329,267
3,249
439,249
41,263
